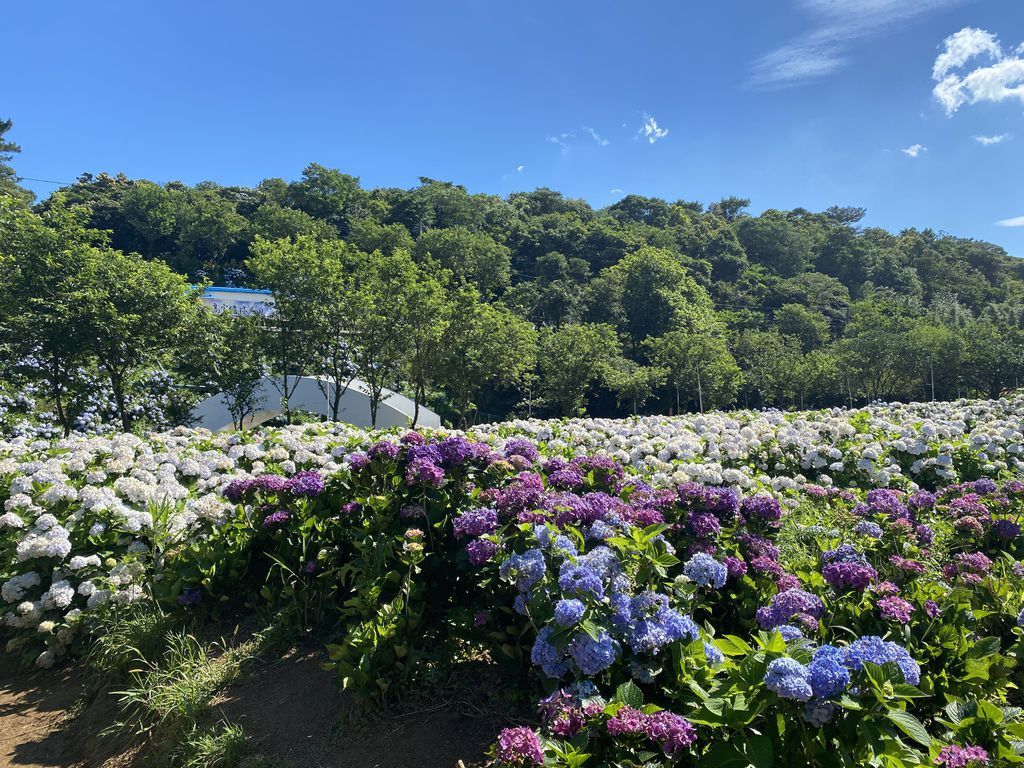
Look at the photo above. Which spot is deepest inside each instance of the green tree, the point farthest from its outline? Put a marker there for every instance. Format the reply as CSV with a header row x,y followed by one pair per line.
x,y
290,270
380,325
635,384
472,257
429,314
47,268
808,326
8,178
571,359
137,310
223,351
699,364
484,346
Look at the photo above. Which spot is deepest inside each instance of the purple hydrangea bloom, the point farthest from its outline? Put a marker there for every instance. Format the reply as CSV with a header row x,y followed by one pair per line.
x,y
921,500
789,679
968,756
518,446
673,732
1006,529
520,746
306,483
846,575
358,461
704,525
481,550
735,567
424,472
896,609
455,451
762,507
236,490
190,596
384,449
565,479
786,605
475,522
270,484
280,517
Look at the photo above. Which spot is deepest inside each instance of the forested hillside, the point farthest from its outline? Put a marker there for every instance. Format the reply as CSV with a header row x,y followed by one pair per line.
x,y
540,303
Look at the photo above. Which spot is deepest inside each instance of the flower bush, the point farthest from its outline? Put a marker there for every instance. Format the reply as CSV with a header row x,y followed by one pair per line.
x,y
659,620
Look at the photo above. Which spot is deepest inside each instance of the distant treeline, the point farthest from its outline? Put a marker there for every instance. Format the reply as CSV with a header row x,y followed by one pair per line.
x,y
538,303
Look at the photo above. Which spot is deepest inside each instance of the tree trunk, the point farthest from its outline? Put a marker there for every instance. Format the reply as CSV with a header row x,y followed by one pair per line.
x,y
700,390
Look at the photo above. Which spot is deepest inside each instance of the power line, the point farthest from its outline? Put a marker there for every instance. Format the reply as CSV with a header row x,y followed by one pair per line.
x,y
46,181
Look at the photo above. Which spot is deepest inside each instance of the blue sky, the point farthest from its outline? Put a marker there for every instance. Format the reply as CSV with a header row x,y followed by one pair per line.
x,y
790,102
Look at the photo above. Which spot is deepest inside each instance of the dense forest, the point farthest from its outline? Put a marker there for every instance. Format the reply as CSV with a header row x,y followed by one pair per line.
x,y
484,306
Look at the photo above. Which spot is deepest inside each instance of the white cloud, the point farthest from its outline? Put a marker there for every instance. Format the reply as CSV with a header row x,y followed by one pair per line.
x,y
616,191
597,137
988,141
651,130
823,49
520,168
1014,222
963,46
1000,78
560,141
914,150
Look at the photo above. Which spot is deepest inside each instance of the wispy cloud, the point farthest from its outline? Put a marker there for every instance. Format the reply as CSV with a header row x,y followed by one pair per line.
x,y
1014,222
837,25
561,140
616,191
651,130
988,141
914,150
520,168
999,78
597,137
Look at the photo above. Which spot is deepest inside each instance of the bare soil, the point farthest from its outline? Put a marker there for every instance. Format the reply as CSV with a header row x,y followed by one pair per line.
x,y
297,717
292,711
49,720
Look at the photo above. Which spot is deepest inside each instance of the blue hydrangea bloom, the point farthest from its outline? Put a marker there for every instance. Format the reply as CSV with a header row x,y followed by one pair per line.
x,y
563,546
525,569
546,656
520,604
819,713
649,623
828,673
713,655
705,571
789,632
569,612
878,651
593,656
580,580
868,528
600,530
602,561
1020,618
543,535
789,679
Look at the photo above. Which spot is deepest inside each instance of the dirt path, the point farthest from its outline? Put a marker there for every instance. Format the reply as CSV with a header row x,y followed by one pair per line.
x,y
45,722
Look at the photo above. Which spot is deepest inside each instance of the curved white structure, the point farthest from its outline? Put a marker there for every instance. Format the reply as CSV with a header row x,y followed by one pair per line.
x,y
395,410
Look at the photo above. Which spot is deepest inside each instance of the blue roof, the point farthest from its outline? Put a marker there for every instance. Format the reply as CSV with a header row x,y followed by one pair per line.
x,y
235,290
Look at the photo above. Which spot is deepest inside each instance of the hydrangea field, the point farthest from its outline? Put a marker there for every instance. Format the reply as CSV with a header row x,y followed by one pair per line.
x,y
837,588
